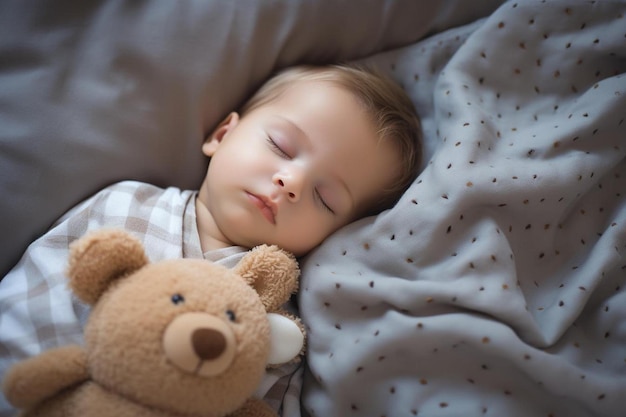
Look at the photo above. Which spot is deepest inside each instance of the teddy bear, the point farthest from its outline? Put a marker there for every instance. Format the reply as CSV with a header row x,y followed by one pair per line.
x,y
181,337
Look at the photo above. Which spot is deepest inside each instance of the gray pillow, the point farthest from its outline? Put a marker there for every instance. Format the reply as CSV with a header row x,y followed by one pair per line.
x,y
93,92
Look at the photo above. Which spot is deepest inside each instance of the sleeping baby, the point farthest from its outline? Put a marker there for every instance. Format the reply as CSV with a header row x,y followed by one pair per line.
x,y
315,148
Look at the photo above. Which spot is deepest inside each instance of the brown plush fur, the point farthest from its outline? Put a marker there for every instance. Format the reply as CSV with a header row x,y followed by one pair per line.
x,y
127,368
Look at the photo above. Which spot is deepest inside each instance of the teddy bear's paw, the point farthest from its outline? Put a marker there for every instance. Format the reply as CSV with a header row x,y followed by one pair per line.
x,y
254,408
38,378
286,339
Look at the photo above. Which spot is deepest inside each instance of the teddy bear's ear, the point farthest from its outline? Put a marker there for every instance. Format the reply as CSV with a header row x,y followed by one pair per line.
x,y
99,258
272,272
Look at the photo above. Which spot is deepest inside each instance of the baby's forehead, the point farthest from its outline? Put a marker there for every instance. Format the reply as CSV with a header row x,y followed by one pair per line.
x,y
332,96
267,98
305,87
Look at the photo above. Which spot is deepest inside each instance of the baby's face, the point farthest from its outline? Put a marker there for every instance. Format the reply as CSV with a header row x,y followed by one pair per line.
x,y
296,169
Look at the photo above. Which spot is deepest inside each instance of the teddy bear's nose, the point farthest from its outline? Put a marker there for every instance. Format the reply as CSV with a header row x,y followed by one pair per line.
x,y
208,343
200,343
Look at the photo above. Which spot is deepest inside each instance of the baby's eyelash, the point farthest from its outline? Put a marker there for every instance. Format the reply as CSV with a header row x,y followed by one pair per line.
x,y
277,149
319,198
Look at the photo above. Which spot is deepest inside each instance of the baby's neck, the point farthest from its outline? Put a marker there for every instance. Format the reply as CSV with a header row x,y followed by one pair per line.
x,y
208,230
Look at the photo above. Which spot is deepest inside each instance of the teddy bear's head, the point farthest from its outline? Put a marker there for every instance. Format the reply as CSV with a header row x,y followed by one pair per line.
x,y
179,335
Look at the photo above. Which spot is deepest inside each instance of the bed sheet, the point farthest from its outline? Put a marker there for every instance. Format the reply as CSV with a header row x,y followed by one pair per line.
x,y
497,285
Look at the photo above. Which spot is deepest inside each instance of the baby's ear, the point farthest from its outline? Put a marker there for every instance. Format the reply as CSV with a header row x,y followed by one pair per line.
x,y
272,272
213,141
101,257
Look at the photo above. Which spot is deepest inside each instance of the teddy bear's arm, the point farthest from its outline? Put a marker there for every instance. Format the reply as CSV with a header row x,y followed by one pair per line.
x,y
253,407
35,379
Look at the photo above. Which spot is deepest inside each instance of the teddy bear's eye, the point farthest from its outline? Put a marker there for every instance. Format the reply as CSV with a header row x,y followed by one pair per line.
x,y
231,315
177,299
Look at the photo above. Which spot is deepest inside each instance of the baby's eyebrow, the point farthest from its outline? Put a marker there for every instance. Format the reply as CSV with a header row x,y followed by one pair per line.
x,y
293,125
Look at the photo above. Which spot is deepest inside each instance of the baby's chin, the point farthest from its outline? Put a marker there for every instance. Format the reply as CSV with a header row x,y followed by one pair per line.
x,y
296,250
293,244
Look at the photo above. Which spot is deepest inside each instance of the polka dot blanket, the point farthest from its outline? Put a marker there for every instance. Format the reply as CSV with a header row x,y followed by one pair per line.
x,y
497,285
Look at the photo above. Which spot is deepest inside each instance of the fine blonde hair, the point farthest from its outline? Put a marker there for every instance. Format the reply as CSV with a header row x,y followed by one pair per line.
x,y
388,106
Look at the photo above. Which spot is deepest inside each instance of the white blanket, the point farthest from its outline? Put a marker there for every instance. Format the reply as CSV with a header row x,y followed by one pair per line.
x,y
497,285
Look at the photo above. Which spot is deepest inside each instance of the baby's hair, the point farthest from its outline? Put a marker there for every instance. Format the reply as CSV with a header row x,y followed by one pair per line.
x,y
389,107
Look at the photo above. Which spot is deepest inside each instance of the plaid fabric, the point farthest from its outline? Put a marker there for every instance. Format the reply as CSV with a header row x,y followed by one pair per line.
x,y
38,312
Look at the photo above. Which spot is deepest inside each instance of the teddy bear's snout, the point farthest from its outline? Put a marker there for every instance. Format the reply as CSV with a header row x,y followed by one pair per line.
x,y
208,343
199,343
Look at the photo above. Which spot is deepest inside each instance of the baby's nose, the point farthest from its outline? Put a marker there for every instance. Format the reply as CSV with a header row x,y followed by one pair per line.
x,y
290,185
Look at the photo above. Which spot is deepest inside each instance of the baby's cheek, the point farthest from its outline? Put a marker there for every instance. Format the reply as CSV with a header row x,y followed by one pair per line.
x,y
305,236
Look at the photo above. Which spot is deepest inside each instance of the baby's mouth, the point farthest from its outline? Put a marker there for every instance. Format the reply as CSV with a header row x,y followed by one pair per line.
x,y
267,207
